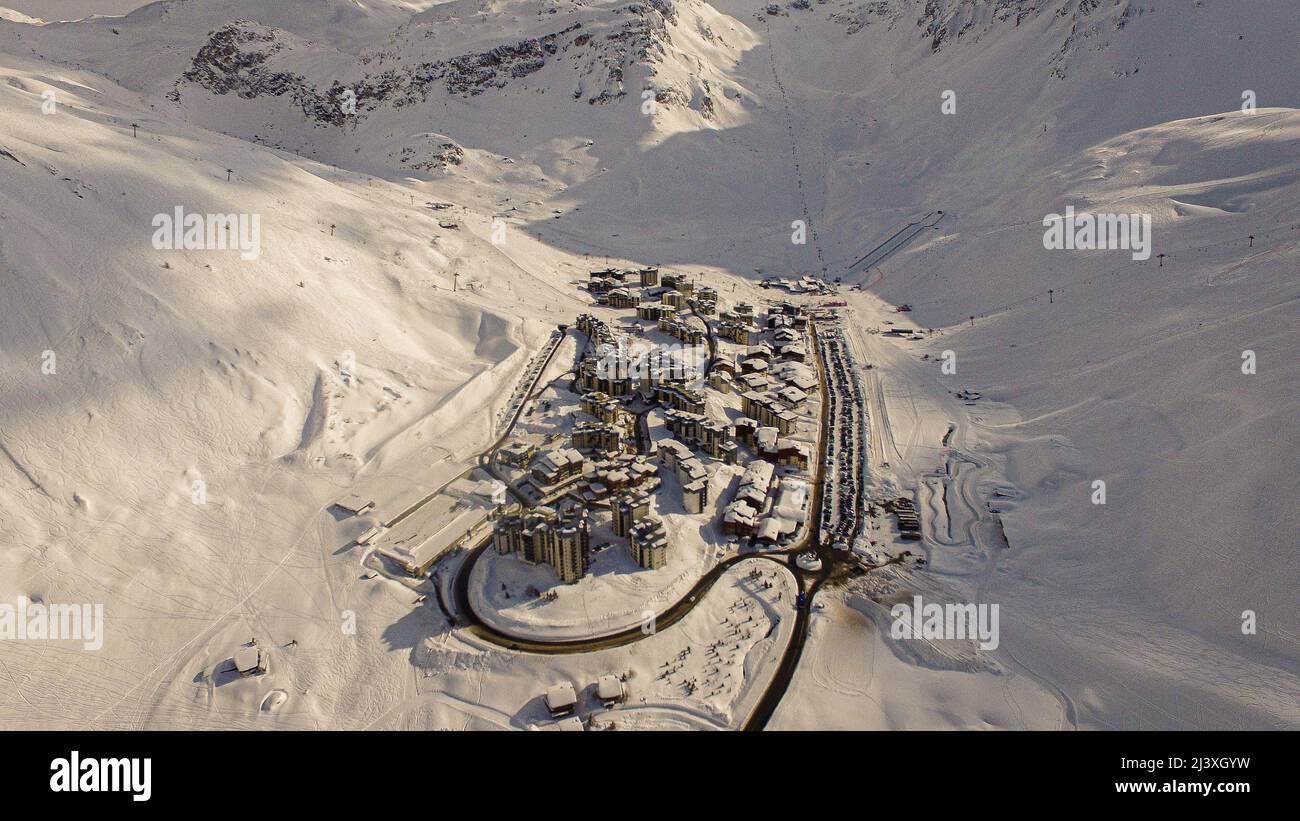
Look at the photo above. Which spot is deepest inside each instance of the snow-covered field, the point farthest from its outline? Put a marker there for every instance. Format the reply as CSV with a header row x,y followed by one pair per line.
x,y
174,425
850,679
674,679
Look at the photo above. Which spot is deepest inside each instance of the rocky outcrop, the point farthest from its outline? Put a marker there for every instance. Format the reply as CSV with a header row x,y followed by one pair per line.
x,y
434,155
246,59
944,22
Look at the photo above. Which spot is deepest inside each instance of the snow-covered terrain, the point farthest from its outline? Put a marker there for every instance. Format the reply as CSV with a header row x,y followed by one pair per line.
x,y
176,424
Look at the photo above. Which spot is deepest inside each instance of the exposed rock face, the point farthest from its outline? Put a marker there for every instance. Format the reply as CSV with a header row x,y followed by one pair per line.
x,y
472,74
242,57
237,60
942,22
435,156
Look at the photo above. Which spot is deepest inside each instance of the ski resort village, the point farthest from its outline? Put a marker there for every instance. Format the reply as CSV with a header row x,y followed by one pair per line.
x,y
664,443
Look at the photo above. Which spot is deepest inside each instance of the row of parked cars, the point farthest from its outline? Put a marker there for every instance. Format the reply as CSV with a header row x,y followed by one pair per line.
x,y
846,441
534,370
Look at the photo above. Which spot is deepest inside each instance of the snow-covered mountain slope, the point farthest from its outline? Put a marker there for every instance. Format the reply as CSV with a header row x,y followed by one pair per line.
x,y
19,17
1129,373
44,10
176,373
827,112
849,91
427,95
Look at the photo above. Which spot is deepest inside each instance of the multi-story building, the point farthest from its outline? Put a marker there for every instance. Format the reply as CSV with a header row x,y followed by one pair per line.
x,y
793,352
649,277
594,378
786,315
721,381
754,484
555,466
778,450
678,329
648,543
737,332
509,535
678,458
603,406
679,398
517,453
768,410
561,539
756,382
792,396
795,375
711,435
740,519
598,436
596,329
565,543
681,283
672,453
695,495
729,452
620,475
622,298
708,435
744,430
628,510
653,310
620,370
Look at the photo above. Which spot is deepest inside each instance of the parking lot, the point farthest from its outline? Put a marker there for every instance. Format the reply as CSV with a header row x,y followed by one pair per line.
x,y
843,502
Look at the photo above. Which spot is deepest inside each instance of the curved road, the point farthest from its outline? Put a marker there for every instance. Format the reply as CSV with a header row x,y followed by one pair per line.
x,y
776,688
673,614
